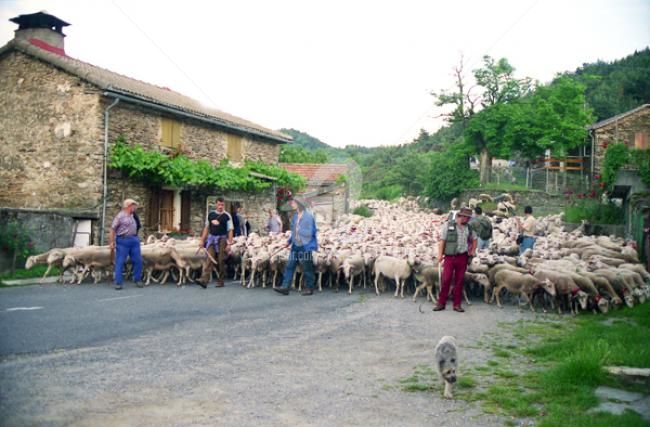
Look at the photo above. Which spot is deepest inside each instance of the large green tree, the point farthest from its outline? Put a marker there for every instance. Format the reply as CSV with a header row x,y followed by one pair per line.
x,y
486,131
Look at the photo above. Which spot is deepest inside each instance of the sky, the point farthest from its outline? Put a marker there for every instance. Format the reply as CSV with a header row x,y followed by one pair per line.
x,y
346,72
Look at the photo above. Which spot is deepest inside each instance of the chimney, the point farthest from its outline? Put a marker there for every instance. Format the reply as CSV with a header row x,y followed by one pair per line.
x,y
41,29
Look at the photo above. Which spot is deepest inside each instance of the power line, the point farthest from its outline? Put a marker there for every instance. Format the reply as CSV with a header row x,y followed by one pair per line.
x,y
169,58
471,63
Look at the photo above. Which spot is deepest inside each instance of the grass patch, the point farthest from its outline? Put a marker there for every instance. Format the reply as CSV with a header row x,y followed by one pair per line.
x,y
466,382
550,373
499,352
36,272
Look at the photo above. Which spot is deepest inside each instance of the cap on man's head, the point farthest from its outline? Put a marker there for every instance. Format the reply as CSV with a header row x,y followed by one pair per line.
x,y
129,202
465,212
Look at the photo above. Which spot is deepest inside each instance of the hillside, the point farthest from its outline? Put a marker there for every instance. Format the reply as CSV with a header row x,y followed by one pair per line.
x,y
420,167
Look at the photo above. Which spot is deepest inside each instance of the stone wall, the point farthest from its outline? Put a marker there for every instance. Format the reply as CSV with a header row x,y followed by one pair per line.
x,y
46,229
622,130
51,147
198,140
541,202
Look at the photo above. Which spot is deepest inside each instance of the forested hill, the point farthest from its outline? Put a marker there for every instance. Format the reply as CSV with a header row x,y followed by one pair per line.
x,y
616,87
435,164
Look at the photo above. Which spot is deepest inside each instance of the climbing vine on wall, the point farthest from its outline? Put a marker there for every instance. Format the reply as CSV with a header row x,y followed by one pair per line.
x,y
157,168
618,155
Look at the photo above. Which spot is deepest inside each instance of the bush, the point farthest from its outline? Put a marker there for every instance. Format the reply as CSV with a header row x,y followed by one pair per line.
x,y
15,242
363,210
594,212
389,193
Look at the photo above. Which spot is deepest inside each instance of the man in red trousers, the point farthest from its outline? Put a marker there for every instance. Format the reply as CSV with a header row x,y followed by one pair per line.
x,y
457,245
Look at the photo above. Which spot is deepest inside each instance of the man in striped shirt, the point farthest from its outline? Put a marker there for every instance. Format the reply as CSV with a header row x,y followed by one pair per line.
x,y
123,239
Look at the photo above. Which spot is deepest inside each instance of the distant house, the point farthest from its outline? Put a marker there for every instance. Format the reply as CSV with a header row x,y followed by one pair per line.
x,y
327,188
60,115
633,129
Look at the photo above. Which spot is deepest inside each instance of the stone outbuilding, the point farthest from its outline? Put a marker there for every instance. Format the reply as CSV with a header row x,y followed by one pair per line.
x,y
59,117
327,189
633,129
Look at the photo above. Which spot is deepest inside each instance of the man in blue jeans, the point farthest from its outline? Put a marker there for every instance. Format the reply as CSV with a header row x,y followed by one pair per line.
x,y
124,241
303,242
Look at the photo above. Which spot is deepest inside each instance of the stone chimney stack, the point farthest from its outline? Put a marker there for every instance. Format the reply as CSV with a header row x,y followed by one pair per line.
x,y
41,29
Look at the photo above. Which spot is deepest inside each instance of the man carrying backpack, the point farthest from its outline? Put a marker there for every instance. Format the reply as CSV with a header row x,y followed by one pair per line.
x,y
482,226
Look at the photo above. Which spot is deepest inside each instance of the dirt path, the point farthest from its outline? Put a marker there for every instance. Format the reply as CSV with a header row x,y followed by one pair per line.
x,y
315,363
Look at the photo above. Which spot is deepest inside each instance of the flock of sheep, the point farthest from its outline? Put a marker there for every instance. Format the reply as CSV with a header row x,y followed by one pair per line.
x,y
398,244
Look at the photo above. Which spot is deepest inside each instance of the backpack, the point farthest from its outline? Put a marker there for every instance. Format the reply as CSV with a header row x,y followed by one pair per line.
x,y
484,228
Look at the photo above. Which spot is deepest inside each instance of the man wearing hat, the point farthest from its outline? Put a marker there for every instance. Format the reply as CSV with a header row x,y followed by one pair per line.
x,y
303,242
457,244
123,239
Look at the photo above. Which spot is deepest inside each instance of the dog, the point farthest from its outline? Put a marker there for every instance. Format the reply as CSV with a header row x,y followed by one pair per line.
x,y
446,358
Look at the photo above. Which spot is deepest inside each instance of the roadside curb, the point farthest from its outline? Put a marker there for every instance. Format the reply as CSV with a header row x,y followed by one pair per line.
x,y
32,281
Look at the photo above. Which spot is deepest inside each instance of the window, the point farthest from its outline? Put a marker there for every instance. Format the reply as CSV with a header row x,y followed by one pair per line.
x,y
641,141
171,133
235,147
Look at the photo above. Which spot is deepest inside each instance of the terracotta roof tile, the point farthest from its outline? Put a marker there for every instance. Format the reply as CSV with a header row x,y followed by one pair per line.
x,y
317,173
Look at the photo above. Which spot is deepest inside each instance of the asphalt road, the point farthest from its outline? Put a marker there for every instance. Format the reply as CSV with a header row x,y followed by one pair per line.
x,y
44,318
90,355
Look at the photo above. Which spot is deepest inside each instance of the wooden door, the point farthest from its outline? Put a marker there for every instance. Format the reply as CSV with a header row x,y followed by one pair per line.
x,y
186,212
166,210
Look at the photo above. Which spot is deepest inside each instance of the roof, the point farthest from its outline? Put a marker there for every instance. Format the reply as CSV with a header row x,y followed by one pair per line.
x,y
322,173
618,117
139,90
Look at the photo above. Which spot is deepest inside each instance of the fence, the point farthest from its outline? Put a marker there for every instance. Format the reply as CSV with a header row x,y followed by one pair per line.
x,y
550,174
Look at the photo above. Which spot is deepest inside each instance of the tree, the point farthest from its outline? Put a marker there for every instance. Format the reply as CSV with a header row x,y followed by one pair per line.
x,y
449,174
487,129
297,154
554,116
461,97
497,80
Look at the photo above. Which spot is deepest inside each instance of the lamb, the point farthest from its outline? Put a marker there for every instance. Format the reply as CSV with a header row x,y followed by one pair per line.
x,y
587,285
393,268
565,286
353,266
604,287
427,275
90,257
53,258
188,258
620,283
637,268
320,267
259,263
156,258
518,283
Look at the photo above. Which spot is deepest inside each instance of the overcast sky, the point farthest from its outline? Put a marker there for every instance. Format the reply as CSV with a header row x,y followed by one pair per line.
x,y
347,72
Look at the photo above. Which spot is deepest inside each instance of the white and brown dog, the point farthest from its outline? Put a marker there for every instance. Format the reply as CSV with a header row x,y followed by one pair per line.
x,y
446,357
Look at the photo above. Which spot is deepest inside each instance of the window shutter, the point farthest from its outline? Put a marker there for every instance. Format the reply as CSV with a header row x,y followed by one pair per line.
x,y
234,152
186,221
153,210
640,140
166,126
176,134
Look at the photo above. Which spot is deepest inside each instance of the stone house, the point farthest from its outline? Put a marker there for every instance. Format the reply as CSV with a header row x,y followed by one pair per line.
x,y
632,128
59,116
327,188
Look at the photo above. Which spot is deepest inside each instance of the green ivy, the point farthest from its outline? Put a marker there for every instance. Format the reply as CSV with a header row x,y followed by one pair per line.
x,y
157,168
616,156
641,159
15,242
